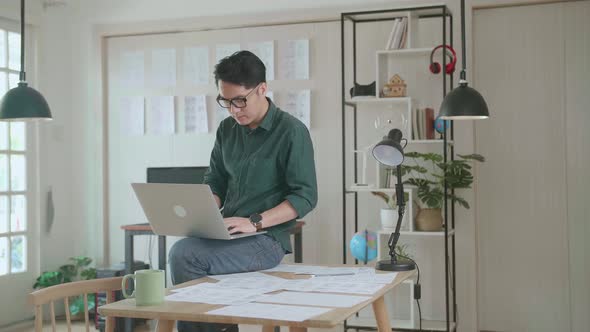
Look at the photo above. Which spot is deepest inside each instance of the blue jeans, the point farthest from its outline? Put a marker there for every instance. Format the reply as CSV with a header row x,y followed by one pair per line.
x,y
192,258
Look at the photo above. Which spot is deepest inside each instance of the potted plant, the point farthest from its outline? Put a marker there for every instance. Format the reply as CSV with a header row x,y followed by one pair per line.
x,y
78,269
389,214
430,184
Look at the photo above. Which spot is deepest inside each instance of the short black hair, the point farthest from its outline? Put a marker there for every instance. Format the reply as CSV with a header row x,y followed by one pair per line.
x,y
241,68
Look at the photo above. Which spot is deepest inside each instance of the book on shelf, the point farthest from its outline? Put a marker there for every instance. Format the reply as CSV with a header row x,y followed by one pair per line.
x,y
398,35
423,124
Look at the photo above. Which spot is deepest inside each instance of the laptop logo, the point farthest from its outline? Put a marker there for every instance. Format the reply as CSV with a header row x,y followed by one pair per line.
x,y
179,211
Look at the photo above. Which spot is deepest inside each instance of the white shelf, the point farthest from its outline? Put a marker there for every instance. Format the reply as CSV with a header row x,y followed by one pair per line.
x,y
416,233
375,100
407,51
427,325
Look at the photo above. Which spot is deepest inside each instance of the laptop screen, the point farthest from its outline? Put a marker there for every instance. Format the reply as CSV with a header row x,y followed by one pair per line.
x,y
184,175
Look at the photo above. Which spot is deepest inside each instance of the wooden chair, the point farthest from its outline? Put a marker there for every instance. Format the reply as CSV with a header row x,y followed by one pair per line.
x,y
64,291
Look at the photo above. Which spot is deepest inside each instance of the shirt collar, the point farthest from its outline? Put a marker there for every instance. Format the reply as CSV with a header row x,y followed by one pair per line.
x,y
267,121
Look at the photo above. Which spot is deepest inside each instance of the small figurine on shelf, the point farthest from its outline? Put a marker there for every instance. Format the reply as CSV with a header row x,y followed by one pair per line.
x,y
396,87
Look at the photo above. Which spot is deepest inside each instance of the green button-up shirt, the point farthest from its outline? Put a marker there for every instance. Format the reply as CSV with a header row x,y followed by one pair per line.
x,y
255,170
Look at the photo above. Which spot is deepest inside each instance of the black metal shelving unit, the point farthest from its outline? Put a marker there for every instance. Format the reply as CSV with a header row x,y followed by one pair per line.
x,y
367,17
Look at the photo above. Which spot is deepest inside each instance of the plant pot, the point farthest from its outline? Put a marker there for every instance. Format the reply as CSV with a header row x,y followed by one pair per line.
x,y
388,219
429,220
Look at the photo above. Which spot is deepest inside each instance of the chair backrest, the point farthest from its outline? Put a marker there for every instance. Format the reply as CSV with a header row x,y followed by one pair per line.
x,y
65,291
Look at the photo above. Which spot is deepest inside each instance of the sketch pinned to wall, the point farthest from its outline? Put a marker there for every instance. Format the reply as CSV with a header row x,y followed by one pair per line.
x,y
132,69
195,114
161,120
223,50
132,118
298,104
164,67
220,114
295,61
196,65
266,52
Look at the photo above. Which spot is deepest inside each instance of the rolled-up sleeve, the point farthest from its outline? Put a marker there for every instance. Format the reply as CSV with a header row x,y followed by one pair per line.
x,y
302,192
216,175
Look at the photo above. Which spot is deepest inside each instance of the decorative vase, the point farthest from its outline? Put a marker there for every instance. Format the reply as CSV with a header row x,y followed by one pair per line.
x,y
388,218
429,220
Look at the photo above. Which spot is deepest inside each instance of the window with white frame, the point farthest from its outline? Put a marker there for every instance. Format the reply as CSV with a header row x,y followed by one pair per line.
x,y
13,167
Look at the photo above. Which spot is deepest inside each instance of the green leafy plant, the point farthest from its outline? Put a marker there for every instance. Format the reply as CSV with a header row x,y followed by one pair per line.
x,y
78,269
390,200
402,250
430,181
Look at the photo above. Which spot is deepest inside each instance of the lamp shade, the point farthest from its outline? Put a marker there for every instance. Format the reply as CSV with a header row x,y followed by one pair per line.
x,y
23,103
389,151
464,103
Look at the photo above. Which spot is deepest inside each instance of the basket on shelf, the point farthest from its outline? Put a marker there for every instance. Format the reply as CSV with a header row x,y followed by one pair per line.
x,y
396,87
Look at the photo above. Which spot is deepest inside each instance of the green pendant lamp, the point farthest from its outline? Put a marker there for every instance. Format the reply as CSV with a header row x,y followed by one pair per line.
x,y
463,103
23,102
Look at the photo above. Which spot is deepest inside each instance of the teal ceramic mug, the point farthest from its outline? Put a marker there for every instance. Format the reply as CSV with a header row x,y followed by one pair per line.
x,y
149,287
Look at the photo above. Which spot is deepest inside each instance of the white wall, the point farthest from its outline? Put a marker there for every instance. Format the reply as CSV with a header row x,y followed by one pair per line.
x,y
69,77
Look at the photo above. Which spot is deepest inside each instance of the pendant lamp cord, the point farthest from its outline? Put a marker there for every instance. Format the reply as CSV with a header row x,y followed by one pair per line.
x,y
22,41
464,56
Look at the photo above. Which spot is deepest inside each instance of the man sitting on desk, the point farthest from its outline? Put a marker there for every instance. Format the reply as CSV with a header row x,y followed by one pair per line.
x,y
261,171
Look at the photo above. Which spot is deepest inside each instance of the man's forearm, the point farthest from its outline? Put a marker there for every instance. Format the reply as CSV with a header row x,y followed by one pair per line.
x,y
278,215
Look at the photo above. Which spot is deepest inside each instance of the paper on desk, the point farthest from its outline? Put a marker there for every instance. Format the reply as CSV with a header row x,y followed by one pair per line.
x,y
209,293
270,311
326,286
261,286
243,275
377,278
313,299
316,270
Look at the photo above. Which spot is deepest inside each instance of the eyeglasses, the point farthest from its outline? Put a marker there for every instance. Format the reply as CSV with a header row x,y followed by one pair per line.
x,y
238,102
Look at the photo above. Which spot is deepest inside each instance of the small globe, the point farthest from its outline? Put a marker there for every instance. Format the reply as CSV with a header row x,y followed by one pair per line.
x,y
363,246
439,125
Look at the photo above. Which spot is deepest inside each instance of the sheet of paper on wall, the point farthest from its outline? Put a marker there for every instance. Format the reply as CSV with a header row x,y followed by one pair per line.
x,y
295,62
270,311
196,65
270,95
313,299
161,120
195,114
298,104
223,50
132,69
266,52
132,116
220,114
164,67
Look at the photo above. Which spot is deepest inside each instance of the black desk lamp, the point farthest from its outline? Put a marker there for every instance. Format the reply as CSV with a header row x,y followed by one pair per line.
x,y
390,152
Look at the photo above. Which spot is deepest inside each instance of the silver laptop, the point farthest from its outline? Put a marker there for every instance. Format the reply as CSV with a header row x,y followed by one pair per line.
x,y
183,210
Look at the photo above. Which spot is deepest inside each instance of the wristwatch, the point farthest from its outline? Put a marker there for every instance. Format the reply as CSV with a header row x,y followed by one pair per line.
x,y
256,221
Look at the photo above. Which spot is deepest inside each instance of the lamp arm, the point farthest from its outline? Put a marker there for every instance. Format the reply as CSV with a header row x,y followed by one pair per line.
x,y
22,75
401,207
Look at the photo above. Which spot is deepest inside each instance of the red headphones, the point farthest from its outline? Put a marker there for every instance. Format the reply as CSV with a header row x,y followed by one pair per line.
x,y
450,67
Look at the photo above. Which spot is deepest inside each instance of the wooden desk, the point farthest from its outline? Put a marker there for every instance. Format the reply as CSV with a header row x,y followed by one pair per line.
x,y
169,312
